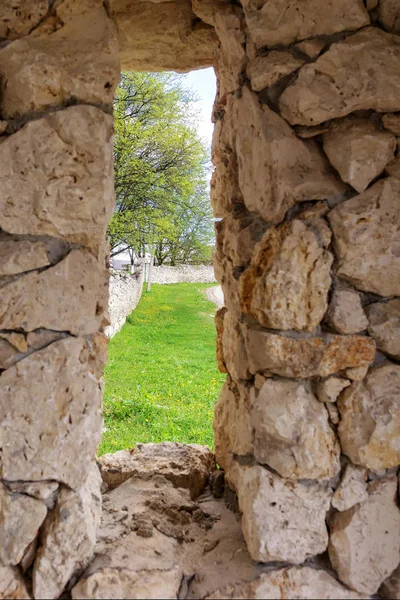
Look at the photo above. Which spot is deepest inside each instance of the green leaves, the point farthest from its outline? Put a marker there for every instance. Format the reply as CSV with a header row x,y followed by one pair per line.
x,y
161,171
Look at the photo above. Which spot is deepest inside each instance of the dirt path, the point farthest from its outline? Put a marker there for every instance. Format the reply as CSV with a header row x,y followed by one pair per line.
x,y
216,295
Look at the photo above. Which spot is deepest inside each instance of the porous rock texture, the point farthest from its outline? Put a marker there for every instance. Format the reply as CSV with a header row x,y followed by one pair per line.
x,y
186,465
305,191
369,430
364,540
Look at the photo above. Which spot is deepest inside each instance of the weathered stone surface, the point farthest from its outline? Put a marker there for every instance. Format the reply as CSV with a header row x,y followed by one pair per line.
x,y
19,17
291,432
389,15
225,191
345,312
7,354
302,583
358,150
231,60
281,520
286,285
264,71
73,55
162,36
272,162
329,389
51,427
302,357
393,168
312,48
391,122
20,519
43,490
219,326
185,465
12,585
352,488
370,427
334,85
65,160
116,583
364,541
281,22
233,347
68,537
357,373
384,326
367,239
44,299
19,256
233,432
236,237
18,340
391,586
333,413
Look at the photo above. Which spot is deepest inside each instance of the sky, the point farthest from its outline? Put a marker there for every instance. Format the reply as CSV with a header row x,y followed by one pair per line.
x,y
203,82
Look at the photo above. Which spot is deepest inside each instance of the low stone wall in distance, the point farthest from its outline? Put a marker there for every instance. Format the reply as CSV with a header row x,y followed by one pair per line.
x,y
183,274
125,292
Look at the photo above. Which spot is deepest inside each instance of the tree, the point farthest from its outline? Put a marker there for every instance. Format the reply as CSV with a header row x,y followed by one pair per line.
x,y
161,171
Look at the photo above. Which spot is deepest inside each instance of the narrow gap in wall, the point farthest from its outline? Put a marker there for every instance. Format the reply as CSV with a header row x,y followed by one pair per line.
x,y
162,380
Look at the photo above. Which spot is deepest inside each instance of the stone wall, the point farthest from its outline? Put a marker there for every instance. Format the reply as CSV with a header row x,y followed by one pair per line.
x,y
183,274
307,186
125,292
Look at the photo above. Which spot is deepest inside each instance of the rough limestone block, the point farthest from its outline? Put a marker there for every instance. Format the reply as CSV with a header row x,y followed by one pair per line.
x,y
384,326
72,56
302,357
19,17
43,490
291,432
233,433
66,297
391,122
329,389
389,15
231,59
312,48
234,350
334,85
352,488
121,583
264,71
393,168
68,537
185,465
288,263
219,326
17,256
302,583
281,22
358,150
162,36
20,519
12,584
364,541
345,312
282,520
367,238
51,427
369,431
272,162
65,160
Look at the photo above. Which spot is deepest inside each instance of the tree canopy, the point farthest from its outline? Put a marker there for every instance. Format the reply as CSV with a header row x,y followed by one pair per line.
x,y
161,172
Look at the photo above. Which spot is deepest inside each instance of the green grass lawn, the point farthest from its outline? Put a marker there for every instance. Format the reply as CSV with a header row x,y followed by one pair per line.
x,y
161,379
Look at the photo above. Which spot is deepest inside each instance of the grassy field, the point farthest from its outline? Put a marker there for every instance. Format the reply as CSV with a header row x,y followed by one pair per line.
x,y
161,378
